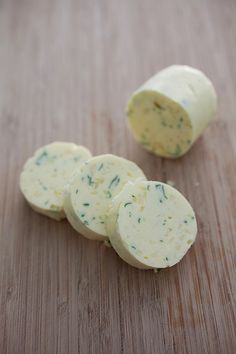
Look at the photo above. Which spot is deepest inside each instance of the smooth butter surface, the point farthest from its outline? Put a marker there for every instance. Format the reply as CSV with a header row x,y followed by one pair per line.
x,y
170,111
44,176
91,190
151,225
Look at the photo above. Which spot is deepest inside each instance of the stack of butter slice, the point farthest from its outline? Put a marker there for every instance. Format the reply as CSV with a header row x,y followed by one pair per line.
x,y
149,224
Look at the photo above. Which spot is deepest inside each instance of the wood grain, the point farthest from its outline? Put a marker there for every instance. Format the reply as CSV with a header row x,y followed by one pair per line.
x,y
67,69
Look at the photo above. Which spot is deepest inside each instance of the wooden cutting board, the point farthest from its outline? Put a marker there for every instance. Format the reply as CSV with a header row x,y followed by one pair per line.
x,y
67,69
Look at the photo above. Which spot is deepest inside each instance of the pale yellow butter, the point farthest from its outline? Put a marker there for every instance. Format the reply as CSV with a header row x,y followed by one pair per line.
x,y
171,110
151,225
91,190
45,175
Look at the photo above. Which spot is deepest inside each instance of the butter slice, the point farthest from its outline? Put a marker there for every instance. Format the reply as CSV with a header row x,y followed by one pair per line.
x,y
151,225
44,176
171,110
91,190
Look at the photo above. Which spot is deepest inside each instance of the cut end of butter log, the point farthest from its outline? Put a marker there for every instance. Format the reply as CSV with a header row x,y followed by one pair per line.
x,y
91,190
44,176
171,110
151,225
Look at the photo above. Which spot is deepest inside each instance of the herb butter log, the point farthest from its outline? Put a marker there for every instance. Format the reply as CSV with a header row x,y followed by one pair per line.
x,y
151,225
91,190
45,174
170,111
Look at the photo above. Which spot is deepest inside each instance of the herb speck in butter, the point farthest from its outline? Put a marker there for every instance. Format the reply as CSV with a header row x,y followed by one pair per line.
x,y
42,158
125,205
115,181
100,167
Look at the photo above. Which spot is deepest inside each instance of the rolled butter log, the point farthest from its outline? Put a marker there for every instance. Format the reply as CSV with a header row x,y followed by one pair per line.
x,y
171,110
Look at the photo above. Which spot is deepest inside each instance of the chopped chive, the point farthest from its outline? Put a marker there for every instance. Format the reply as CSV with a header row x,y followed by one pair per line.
x,y
139,220
162,188
86,204
76,191
157,105
100,167
167,258
114,181
185,221
42,158
90,180
108,194
125,205
132,246
82,215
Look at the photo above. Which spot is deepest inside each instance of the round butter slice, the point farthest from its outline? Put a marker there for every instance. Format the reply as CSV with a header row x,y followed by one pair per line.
x,y
45,175
91,190
151,225
170,111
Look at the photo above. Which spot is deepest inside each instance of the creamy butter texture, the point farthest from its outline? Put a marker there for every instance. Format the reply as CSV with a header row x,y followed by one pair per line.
x,y
151,225
91,190
170,111
45,174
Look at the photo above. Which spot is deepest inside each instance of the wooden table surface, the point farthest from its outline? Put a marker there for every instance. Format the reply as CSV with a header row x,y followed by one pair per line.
x,y
67,69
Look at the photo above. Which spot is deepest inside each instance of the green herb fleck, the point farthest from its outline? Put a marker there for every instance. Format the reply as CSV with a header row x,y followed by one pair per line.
x,y
102,222
82,215
192,217
90,180
148,187
108,194
132,246
42,158
125,205
177,151
76,191
185,221
85,222
167,258
115,181
162,189
161,241
100,167
139,220
76,158
86,204
157,105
